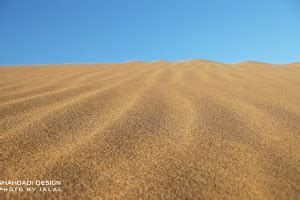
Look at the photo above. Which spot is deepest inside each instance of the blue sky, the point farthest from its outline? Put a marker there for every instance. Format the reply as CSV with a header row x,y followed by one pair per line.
x,y
89,31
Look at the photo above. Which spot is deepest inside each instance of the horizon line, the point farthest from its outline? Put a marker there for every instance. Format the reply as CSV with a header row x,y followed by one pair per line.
x,y
148,61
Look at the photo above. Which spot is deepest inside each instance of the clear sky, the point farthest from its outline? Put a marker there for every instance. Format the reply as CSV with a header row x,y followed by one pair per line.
x,y
89,31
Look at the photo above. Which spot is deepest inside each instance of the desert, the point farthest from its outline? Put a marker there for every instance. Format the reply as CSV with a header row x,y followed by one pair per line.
x,y
194,129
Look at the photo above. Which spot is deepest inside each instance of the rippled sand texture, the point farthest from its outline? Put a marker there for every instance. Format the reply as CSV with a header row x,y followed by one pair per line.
x,y
155,130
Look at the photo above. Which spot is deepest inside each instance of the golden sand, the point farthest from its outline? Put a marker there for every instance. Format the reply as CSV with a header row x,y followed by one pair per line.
x,y
153,130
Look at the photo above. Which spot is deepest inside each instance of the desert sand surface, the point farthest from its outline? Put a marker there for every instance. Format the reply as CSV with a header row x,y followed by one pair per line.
x,y
192,129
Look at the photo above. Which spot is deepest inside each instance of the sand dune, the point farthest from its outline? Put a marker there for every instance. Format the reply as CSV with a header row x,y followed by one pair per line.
x,y
155,130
